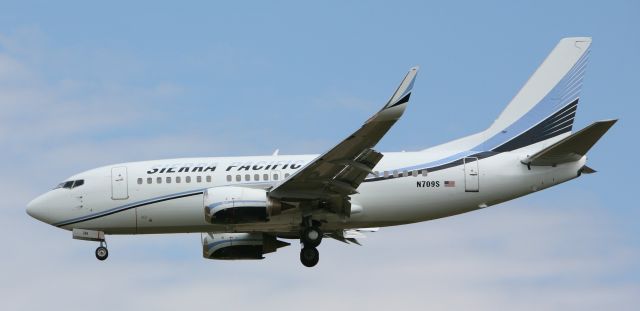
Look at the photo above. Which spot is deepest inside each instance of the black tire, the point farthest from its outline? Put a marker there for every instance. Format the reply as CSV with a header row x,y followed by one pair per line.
x,y
102,253
311,236
309,256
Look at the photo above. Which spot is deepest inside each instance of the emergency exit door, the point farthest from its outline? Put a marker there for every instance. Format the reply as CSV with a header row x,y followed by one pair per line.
x,y
471,175
119,186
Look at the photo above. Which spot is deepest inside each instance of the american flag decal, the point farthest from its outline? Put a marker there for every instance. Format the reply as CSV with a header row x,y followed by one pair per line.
x,y
449,183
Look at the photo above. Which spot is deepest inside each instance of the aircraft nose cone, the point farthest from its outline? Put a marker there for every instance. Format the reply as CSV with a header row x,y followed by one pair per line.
x,y
30,209
36,209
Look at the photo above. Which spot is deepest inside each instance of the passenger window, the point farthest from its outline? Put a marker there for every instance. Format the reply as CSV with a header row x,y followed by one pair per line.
x,y
159,180
376,174
386,174
425,173
187,179
229,178
149,180
208,178
139,181
199,179
396,174
275,176
177,179
265,177
168,180
247,177
287,175
256,177
405,173
238,178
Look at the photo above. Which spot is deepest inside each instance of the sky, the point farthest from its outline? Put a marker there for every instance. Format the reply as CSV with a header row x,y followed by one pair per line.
x,y
85,84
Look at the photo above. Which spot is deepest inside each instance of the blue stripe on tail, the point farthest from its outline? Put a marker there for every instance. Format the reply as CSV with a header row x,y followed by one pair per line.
x,y
552,116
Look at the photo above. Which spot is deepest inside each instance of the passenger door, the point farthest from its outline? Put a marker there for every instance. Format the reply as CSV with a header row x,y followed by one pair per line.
x,y
471,175
119,183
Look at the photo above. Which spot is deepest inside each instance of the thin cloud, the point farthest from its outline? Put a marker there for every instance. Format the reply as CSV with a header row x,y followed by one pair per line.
x,y
510,257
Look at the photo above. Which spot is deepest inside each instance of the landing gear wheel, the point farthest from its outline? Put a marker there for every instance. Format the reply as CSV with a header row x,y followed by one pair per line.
x,y
102,253
311,236
309,256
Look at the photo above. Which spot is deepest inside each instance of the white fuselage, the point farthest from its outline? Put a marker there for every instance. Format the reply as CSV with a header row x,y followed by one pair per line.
x,y
166,196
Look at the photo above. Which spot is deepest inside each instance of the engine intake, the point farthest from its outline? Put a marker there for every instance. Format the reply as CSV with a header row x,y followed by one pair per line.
x,y
237,205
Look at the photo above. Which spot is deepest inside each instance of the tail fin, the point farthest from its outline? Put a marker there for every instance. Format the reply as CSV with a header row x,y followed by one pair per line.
x,y
546,105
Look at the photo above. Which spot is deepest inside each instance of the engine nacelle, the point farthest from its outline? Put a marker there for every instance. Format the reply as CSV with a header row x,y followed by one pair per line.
x,y
235,246
237,205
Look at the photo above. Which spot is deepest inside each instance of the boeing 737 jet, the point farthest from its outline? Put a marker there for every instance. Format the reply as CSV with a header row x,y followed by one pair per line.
x,y
245,207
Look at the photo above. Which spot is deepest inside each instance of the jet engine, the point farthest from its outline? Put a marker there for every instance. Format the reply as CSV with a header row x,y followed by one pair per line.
x,y
234,246
237,205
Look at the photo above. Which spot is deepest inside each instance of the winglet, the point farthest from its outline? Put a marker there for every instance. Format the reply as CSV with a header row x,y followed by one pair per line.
x,y
403,92
571,148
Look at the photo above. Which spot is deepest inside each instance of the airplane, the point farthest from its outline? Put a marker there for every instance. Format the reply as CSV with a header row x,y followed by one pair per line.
x,y
246,207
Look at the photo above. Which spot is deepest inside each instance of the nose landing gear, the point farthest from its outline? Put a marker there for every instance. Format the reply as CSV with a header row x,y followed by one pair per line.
x,y
102,252
91,235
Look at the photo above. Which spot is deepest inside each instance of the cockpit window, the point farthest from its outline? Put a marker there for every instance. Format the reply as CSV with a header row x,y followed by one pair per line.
x,y
70,184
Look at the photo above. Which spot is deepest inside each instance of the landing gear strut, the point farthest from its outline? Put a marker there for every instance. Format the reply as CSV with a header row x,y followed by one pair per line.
x,y
102,252
310,237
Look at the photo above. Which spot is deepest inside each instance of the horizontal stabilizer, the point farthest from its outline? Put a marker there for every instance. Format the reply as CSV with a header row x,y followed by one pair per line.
x,y
571,148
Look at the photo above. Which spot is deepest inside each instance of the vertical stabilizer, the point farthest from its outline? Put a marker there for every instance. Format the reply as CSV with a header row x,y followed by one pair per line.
x,y
546,105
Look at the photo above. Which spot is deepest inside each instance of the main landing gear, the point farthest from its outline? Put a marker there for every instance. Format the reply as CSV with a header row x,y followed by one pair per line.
x,y
309,256
310,237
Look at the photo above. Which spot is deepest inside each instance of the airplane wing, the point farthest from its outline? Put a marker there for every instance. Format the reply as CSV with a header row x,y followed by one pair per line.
x,y
338,172
571,148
